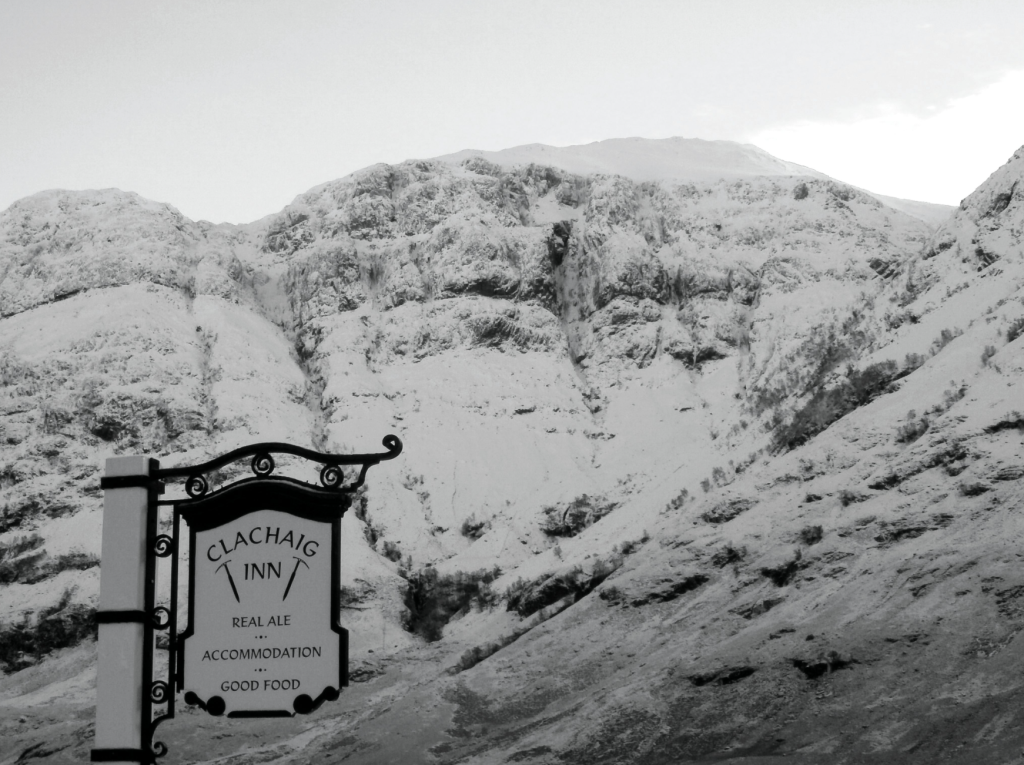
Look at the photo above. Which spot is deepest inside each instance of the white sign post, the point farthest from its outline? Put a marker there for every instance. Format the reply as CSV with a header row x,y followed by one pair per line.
x,y
121,701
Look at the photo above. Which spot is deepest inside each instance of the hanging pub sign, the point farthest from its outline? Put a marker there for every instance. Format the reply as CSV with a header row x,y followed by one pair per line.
x,y
263,637
263,601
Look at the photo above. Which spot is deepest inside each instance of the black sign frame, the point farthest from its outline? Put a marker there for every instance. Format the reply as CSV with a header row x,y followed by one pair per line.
x,y
283,495
201,508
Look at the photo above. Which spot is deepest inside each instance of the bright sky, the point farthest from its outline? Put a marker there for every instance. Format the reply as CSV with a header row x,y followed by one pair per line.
x,y
229,109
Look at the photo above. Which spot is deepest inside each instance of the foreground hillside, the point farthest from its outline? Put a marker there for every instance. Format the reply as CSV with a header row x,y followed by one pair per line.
x,y
747,454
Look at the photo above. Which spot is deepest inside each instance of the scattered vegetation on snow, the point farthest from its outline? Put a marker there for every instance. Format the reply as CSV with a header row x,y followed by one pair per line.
x,y
433,599
528,597
570,520
1015,330
912,429
63,624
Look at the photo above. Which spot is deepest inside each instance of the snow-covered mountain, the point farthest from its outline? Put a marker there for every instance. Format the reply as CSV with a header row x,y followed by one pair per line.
x,y
676,159
743,441
644,159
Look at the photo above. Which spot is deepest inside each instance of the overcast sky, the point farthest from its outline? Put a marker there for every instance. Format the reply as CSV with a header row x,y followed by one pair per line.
x,y
229,109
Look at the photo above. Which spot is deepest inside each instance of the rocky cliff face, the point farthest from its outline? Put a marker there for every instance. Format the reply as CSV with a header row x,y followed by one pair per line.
x,y
744,450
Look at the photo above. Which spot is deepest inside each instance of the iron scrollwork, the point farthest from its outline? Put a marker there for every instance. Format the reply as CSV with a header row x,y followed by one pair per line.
x,y
158,692
196,486
161,618
163,545
263,464
332,476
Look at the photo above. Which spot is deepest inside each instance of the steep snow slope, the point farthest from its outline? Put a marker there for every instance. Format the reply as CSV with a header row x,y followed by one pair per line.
x,y
930,212
621,303
638,357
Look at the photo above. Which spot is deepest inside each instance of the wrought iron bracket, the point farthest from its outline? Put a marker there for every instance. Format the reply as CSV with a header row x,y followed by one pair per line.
x,y
132,482
262,464
128,615
117,755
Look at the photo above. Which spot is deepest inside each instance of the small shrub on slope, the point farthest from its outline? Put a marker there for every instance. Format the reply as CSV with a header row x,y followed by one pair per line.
x,y
950,396
526,598
847,497
392,552
811,535
630,547
433,599
945,338
12,569
569,521
782,574
473,529
477,654
727,555
911,430
59,626
678,501
1015,330
828,405
913,361
22,561
725,511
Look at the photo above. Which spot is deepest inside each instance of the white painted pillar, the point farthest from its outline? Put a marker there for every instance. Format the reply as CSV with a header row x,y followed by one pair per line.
x,y
119,674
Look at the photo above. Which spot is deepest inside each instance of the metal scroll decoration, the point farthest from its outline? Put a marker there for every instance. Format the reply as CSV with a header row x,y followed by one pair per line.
x,y
196,485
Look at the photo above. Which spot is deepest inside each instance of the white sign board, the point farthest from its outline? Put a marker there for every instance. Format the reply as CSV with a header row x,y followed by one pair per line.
x,y
262,632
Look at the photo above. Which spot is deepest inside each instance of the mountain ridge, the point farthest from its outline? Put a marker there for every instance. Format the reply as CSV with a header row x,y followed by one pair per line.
x,y
644,159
